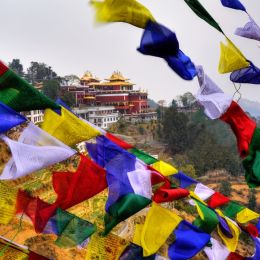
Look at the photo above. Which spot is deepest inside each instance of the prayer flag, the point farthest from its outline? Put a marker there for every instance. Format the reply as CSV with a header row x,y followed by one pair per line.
x,y
9,118
231,58
211,97
34,150
127,11
218,200
67,127
216,251
185,181
18,94
189,241
164,168
234,4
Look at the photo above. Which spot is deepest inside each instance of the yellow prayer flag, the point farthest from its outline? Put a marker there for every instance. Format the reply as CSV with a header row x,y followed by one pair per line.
x,y
68,128
7,203
108,247
164,168
127,11
12,253
246,215
231,243
137,234
231,58
158,226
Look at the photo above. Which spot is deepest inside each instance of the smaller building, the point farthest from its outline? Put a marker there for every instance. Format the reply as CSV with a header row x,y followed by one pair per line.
x,y
35,116
102,116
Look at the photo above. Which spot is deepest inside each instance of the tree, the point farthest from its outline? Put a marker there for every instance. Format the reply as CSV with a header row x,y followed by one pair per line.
x,y
38,72
69,99
51,88
17,67
252,200
187,99
175,130
225,188
71,80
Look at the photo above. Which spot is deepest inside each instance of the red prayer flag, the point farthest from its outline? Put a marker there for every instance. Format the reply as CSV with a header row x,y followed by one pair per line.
x,y
73,188
34,256
118,141
235,256
217,200
167,195
3,68
242,126
36,209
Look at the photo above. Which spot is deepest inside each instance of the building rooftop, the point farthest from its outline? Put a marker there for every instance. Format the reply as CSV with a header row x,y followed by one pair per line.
x,y
88,76
117,76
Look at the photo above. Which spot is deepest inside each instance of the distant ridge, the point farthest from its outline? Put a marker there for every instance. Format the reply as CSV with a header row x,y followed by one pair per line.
x,y
252,107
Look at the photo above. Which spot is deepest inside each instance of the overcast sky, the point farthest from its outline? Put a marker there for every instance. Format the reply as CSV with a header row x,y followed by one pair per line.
x,y
62,34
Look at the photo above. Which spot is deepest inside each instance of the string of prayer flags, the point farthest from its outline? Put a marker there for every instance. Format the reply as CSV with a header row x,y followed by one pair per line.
x,y
7,203
234,4
164,168
159,41
18,94
231,58
118,141
86,182
146,158
104,150
230,242
217,200
216,250
67,127
211,97
189,241
250,30
249,75
251,163
34,150
72,230
9,118
199,10
127,11
242,126
158,226
185,181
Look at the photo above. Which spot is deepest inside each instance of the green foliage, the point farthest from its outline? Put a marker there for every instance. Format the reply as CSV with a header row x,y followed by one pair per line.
x,y
207,144
69,99
17,67
51,88
38,72
225,188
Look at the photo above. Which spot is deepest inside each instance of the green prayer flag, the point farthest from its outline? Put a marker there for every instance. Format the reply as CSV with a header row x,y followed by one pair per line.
x,y
210,219
231,209
148,159
18,94
125,207
252,162
72,230
198,9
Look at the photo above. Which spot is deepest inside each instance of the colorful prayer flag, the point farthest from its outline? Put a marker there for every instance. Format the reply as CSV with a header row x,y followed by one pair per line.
x,y
9,118
127,11
18,94
67,127
231,58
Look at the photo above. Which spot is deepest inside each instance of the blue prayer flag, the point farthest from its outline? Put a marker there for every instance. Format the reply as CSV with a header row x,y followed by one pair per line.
x,y
234,4
184,180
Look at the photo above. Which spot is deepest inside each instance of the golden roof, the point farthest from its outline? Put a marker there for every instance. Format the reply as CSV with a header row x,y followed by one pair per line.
x,y
89,76
113,83
117,76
